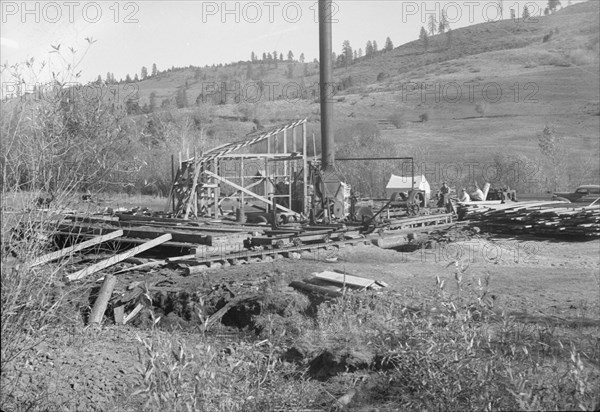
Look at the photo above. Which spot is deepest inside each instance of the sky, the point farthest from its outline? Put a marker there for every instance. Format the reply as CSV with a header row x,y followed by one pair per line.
x,y
127,35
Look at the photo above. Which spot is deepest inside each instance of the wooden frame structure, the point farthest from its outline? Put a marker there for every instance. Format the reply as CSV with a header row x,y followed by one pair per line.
x,y
262,171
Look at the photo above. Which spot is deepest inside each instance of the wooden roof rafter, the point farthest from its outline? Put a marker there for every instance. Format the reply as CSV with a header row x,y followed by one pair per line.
x,y
232,147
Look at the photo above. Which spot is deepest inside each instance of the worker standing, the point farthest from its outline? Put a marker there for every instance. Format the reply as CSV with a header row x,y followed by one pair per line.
x,y
444,195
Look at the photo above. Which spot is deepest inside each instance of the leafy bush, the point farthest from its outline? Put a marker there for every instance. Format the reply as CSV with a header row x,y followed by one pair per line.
x,y
397,119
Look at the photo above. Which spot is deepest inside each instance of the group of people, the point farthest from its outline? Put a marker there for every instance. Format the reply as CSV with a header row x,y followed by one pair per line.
x,y
463,195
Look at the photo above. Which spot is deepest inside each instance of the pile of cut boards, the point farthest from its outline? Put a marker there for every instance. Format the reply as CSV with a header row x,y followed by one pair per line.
x,y
536,218
333,283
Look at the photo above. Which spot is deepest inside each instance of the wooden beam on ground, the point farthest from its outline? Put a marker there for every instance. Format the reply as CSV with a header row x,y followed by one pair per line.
x,y
143,266
133,313
146,233
118,258
343,279
103,297
248,192
306,287
72,249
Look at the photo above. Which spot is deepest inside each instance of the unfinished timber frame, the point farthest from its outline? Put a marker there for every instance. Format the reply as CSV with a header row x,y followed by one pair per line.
x,y
261,172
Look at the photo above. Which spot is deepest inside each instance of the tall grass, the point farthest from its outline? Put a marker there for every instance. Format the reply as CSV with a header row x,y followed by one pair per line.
x,y
53,147
448,349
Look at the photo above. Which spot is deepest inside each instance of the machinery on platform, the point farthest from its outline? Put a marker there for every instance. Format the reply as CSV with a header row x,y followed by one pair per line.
x,y
269,178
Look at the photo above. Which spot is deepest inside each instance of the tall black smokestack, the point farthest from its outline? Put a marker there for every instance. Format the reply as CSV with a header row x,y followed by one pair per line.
x,y
326,84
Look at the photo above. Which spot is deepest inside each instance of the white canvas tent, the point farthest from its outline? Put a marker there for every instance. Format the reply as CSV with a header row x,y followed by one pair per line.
x,y
404,184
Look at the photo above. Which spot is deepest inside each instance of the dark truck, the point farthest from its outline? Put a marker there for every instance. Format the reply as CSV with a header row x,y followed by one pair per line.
x,y
583,194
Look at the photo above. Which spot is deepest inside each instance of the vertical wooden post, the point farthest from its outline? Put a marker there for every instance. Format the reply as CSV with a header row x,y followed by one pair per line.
x,y
285,163
291,182
304,171
173,174
242,183
294,143
217,192
103,297
268,185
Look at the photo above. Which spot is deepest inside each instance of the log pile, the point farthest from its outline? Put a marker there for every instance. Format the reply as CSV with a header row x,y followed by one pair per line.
x,y
537,218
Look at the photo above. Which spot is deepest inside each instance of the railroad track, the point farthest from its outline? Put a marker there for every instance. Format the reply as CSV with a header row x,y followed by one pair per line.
x,y
260,254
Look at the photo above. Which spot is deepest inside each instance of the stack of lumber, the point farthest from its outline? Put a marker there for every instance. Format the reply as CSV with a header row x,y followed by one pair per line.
x,y
332,283
537,218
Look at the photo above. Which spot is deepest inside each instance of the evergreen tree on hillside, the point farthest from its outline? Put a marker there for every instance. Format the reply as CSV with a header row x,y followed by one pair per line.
x,y
388,44
526,13
280,57
355,55
152,102
444,24
127,78
347,54
302,58
154,69
360,53
290,56
424,38
369,48
501,8
375,48
432,25
144,72
553,4
252,57
136,78
99,80
264,56
108,78
181,98
290,71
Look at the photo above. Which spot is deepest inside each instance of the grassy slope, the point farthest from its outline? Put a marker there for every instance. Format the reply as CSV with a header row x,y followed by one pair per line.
x,y
563,72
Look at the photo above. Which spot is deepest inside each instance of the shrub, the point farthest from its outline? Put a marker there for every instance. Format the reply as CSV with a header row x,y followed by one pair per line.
x,y
397,119
580,57
424,117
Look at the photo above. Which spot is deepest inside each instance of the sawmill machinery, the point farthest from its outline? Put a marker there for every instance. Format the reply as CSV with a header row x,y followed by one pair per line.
x,y
269,177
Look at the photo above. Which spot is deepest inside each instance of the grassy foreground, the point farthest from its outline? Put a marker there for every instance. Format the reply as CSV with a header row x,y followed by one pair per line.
x,y
393,351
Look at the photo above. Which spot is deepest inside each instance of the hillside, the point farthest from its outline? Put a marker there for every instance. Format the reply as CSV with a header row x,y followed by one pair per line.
x,y
485,91
495,86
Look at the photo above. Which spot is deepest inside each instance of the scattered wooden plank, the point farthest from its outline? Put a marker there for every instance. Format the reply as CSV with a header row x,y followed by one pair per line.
x,y
119,313
340,278
118,258
102,300
221,312
147,265
307,287
141,232
75,248
133,313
